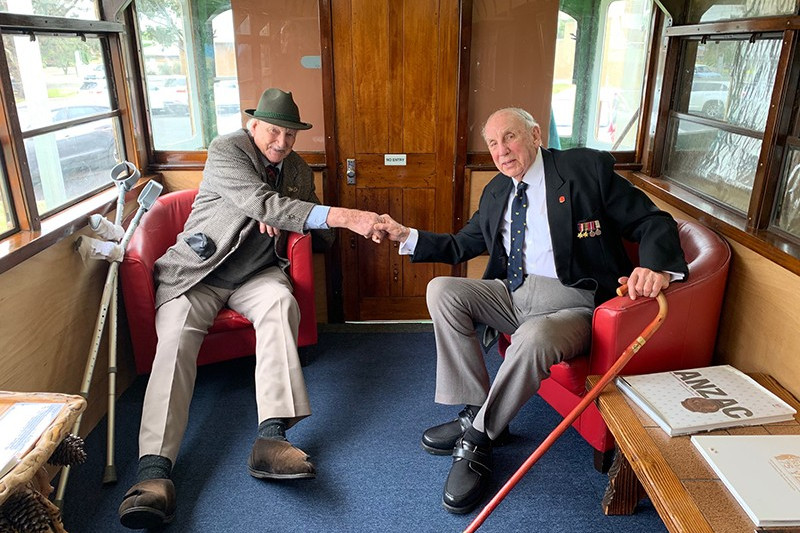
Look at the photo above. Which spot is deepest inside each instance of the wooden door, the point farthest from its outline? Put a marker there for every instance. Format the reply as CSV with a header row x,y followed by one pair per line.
x,y
395,74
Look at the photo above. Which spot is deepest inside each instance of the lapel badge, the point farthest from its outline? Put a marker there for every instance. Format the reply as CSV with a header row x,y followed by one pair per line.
x,y
589,229
291,189
561,199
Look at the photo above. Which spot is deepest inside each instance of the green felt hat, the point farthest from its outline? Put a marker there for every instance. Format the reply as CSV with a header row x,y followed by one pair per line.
x,y
278,107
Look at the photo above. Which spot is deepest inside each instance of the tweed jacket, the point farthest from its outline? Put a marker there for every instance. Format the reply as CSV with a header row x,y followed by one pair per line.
x,y
580,187
233,197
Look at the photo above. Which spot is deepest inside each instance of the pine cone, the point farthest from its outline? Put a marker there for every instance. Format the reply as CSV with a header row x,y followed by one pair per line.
x,y
69,452
26,513
5,525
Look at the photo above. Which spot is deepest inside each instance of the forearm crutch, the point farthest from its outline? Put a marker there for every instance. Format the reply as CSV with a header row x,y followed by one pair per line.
x,y
612,372
124,175
146,199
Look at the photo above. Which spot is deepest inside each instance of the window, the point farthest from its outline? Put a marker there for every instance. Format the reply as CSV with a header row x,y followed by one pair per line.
x,y
705,11
564,88
163,28
64,109
715,135
725,130
61,121
81,9
787,208
190,72
192,77
599,72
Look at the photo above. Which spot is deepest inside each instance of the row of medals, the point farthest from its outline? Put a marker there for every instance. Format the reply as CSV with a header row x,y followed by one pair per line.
x,y
588,229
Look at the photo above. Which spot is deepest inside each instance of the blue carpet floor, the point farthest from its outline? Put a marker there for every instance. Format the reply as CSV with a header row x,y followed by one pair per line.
x,y
372,396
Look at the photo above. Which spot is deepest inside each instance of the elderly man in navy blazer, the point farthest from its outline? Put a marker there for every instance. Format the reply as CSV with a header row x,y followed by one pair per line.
x,y
231,253
553,223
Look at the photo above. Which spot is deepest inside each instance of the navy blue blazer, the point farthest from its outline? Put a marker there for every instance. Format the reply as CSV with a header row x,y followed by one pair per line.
x,y
580,187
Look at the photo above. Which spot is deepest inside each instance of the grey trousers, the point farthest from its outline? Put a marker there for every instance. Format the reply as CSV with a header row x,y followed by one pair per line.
x,y
547,321
182,323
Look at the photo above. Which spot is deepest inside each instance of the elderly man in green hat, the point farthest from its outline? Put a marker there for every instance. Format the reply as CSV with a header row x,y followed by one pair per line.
x,y
254,191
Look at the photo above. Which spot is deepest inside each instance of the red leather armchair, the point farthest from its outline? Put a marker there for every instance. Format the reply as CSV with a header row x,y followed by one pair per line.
x,y
685,340
231,335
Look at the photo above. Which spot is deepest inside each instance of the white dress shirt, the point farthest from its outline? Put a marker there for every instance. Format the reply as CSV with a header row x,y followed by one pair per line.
x,y
537,252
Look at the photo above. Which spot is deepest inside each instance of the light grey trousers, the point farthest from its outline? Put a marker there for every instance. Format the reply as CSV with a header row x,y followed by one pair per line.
x,y
182,323
547,321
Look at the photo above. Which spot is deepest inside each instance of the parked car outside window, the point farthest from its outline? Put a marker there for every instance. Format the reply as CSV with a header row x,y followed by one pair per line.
x,y
709,98
167,95
89,88
84,153
226,96
702,71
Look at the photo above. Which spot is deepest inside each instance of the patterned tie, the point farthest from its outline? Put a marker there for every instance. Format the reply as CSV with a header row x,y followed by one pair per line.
x,y
272,176
519,206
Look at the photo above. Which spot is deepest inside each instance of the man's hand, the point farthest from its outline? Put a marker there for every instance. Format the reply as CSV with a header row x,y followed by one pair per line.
x,y
392,229
272,231
645,282
357,221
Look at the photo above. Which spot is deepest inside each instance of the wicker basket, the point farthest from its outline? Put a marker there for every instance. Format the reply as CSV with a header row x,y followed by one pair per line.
x,y
24,472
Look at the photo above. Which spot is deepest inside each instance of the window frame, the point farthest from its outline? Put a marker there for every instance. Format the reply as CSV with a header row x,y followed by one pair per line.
x,y
753,229
33,233
8,200
720,125
17,168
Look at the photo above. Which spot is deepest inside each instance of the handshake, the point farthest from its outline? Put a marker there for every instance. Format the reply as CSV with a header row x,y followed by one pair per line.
x,y
368,224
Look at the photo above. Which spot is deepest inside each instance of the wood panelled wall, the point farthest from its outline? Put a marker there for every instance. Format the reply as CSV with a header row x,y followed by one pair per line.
x,y
760,315
49,309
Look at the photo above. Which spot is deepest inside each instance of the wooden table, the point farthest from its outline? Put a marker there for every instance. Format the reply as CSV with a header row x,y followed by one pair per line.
x,y
685,491
29,472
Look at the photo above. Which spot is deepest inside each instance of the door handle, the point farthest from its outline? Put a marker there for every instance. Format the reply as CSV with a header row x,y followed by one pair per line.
x,y
351,171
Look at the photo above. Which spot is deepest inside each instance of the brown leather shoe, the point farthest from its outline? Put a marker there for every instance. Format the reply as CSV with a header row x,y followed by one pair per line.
x,y
277,459
148,504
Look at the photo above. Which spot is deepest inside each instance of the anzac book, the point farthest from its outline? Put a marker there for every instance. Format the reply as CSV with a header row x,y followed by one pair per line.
x,y
702,399
761,471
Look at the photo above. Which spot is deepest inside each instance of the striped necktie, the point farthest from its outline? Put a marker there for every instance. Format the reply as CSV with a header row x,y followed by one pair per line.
x,y
519,205
272,176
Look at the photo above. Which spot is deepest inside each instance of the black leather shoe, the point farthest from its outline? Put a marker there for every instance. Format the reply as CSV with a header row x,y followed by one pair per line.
x,y
148,504
469,477
440,440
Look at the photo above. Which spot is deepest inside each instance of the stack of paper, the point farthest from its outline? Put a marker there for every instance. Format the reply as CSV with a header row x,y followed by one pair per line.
x,y
20,427
761,471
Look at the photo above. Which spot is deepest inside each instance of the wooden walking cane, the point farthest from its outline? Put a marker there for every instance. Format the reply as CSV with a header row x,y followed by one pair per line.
x,y
612,372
